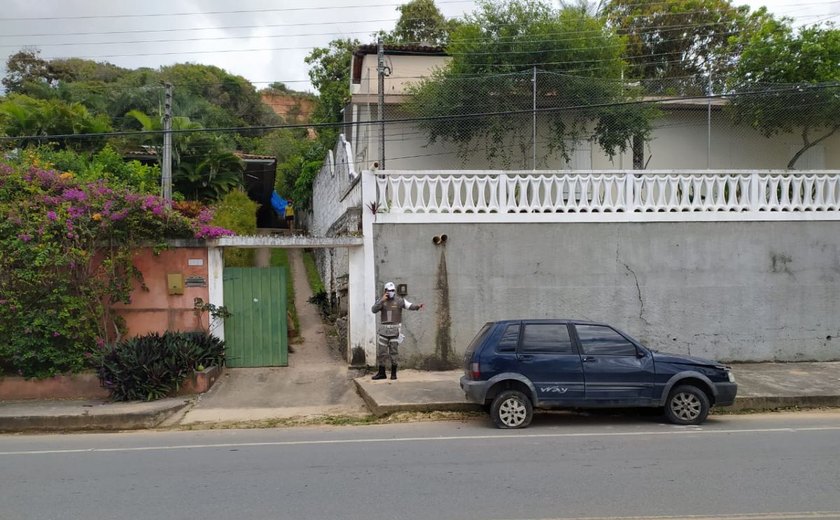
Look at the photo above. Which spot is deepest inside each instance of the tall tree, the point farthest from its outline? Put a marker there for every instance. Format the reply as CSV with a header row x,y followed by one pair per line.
x,y
329,71
484,96
420,22
27,68
26,117
678,43
788,80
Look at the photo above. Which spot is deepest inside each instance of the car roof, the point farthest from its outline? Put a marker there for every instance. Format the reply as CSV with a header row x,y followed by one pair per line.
x,y
546,320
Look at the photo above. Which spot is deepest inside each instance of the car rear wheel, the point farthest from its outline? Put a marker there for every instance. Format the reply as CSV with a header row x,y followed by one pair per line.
x,y
687,405
511,409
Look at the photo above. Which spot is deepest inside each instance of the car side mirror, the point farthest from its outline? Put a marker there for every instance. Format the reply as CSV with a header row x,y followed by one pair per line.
x,y
640,353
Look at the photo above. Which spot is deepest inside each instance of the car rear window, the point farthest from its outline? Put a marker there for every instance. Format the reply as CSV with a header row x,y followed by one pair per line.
x,y
510,338
476,341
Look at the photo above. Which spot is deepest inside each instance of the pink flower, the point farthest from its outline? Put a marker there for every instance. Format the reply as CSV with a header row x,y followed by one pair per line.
x,y
74,194
211,232
51,215
205,216
25,237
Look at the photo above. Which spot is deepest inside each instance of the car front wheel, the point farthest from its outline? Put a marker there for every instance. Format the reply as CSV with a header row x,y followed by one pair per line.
x,y
687,405
511,409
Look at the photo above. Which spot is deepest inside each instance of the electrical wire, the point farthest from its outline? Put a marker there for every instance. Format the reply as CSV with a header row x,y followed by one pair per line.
x,y
450,117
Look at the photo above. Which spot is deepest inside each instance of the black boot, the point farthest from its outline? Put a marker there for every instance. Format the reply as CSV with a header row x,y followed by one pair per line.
x,y
380,374
393,372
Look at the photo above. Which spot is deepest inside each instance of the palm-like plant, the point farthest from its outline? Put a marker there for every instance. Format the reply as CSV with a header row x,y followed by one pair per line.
x,y
203,168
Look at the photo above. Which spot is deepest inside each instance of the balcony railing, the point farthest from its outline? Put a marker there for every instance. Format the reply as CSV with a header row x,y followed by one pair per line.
x,y
608,195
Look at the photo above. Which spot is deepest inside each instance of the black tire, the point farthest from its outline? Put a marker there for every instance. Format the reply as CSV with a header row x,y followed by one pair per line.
x,y
687,404
511,409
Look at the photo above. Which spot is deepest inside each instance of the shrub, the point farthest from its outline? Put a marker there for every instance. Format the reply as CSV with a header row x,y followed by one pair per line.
x,y
238,213
153,366
66,249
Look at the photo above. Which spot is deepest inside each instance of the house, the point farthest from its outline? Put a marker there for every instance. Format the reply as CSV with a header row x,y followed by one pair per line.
x,y
713,250
690,133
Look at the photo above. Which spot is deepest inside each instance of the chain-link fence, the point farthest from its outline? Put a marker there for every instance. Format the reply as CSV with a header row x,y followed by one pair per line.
x,y
545,120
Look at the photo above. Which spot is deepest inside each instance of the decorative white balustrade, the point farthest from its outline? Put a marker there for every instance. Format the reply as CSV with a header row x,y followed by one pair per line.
x,y
581,195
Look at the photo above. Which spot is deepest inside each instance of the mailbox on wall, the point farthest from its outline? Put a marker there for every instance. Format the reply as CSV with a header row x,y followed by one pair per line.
x,y
175,283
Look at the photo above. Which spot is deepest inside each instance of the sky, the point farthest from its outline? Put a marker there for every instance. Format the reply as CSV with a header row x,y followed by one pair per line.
x,y
262,40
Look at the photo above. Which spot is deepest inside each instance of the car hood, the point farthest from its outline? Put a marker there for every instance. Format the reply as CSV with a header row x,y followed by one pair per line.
x,y
665,357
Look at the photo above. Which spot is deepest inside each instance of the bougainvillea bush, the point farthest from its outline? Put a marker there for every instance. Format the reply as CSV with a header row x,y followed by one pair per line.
x,y
66,257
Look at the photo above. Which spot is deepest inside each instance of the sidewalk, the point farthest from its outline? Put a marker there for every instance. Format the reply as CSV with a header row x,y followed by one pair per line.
x,y
762,386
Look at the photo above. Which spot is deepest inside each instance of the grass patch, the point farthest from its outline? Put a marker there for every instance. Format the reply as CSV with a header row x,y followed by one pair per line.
x,y
312,273
280,258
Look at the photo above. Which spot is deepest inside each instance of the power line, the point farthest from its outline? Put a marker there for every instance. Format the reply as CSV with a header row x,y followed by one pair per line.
x,y
261,128
205,13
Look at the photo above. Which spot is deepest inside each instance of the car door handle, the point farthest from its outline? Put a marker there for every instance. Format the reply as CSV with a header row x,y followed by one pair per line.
x,y
589,359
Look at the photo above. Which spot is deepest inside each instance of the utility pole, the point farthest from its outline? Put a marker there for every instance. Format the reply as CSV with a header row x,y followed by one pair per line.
x,y
380,69
166,166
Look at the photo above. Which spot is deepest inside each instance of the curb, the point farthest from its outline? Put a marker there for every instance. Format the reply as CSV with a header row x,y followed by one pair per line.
x,y
384,409
90,422
768,403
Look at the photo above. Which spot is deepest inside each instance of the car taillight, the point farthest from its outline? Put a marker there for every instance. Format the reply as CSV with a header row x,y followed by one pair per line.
x,y
475,372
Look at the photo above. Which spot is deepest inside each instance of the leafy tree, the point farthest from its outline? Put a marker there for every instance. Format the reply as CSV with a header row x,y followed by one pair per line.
x,y
788,80
24,116
679,42
490,75
203,168
420,22
329,71
26,67
217,98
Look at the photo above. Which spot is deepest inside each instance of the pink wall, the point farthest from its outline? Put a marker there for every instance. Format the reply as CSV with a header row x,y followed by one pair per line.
x,y
155,310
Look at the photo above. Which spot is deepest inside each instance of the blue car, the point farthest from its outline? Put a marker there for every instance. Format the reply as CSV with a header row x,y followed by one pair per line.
x,y
512,367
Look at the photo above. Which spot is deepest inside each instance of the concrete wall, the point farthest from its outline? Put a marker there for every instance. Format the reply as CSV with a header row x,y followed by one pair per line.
x,y
679,140
751,291
152,309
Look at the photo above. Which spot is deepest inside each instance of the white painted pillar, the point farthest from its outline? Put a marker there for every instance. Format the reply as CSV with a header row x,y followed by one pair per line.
x,y
369,197
215,286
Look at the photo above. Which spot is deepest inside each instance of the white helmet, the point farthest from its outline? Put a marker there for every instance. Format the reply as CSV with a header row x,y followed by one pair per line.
x,y
389,286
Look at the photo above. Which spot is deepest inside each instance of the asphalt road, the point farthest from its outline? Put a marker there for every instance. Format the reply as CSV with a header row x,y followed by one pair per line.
x,y
775,466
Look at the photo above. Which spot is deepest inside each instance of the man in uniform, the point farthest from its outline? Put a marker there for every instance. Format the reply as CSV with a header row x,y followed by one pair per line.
x,y
390,307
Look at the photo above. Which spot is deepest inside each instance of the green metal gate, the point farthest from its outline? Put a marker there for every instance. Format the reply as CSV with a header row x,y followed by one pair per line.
x,y
256,331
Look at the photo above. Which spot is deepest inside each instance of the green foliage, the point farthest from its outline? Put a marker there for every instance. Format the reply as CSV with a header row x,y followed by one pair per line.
x,y
106,164
26,68
204,168
22,115
238,213
787,80
66,250
319,294
299,159
312,274
420,22
679,42
154,366
330,73
280,258
491,74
